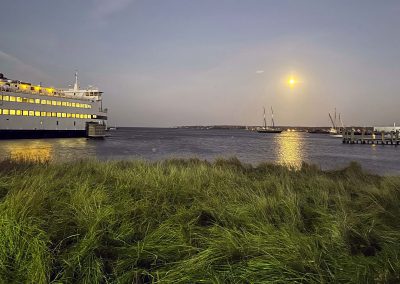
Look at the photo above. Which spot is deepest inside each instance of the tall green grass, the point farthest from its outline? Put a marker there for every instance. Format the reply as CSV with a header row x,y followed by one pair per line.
x,y
189,221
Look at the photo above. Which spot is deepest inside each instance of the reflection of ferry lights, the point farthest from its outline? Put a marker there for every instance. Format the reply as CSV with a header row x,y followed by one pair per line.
x,y
290,149
35,111
31,154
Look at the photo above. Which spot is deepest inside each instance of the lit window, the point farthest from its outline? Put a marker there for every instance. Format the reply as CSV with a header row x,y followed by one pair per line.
x,y
48,102
94,116
64,104
68,104
6,98
63,114
73,115
53,114
89,106
42,113
1,97
58,114
73,104
58,103
78,105
5,111
25,100
31,113
18,112
48,113
12,111
19,99
68,115
12,99
53,103
25,112
37,113
43,102
32,101
37,101
1,111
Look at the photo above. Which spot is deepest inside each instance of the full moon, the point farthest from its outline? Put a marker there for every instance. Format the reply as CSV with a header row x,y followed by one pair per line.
x,y
291,81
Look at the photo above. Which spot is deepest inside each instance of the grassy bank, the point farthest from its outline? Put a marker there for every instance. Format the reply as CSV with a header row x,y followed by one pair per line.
x,y
195,222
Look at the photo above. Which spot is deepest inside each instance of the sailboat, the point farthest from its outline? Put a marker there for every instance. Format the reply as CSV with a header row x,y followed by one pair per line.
x,y
335,130
267,129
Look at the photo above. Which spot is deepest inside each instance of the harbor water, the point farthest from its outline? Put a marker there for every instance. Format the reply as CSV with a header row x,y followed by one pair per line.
x,y
153,144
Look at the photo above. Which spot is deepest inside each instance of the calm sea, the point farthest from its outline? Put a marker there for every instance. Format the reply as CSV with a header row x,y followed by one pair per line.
x,y
250,147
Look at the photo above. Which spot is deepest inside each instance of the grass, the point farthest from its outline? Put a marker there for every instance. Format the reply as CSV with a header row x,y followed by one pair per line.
x,y
189,221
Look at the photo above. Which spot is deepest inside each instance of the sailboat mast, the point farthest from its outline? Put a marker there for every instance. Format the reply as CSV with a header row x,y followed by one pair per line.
x,y
265,121
272,117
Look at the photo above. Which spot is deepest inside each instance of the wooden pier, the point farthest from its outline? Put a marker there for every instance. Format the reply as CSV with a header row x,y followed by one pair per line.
x,y
382,138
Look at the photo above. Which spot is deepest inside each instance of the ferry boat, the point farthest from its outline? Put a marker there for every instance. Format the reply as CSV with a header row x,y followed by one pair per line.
x,y
35,111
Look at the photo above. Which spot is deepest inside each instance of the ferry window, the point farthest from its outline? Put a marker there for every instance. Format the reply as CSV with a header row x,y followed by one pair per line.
x,y
73,115
6,98
53,114
25,100
63,114
1,111
53,103
94,116
78,105
58,103
89,106
5,111
48,102
18,112
1,97
58,114
37,113
68,104
12,99
19,99
12,111
31,113
42,113
37,101
43,102
25,112
68,115
48,114
64,104
73,104
32,101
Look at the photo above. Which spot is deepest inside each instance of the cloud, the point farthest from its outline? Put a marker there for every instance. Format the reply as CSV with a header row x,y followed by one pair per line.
x,y
260,71
21,68
105,8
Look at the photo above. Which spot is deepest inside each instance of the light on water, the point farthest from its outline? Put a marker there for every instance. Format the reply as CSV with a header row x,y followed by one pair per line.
x,y
290,149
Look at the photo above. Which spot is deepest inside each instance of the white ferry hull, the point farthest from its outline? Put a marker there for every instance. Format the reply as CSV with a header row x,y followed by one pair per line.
x,y
30,114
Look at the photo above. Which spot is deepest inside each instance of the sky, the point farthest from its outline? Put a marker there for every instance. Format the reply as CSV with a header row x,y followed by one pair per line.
x,y
164,63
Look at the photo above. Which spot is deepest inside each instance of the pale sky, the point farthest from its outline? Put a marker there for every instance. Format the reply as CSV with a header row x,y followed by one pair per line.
x,y
187,62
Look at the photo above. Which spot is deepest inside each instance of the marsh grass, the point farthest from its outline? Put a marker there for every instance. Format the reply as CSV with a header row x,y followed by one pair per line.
x,y
190,221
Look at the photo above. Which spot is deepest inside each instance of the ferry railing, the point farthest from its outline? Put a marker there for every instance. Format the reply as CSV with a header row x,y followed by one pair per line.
x,y
32,92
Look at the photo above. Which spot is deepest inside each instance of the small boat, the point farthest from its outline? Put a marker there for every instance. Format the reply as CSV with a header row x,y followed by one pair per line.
x,y
267,129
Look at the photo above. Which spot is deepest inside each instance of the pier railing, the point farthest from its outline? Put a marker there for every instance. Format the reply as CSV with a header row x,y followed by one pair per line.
x,y
377,138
